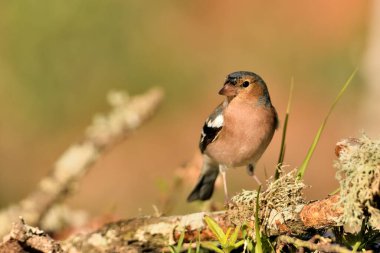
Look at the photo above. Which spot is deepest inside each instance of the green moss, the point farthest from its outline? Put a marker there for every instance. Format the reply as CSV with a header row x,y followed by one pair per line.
x,y
359,176
282,195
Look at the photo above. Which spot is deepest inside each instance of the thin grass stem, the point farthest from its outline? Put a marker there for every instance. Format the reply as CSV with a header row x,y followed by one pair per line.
x,y
302,169
283,138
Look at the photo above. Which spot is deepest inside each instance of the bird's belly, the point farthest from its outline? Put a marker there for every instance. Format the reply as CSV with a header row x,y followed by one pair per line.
x,y
237,147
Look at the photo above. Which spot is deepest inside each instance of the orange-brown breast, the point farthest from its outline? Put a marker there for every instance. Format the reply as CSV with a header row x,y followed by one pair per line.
x,y
247,131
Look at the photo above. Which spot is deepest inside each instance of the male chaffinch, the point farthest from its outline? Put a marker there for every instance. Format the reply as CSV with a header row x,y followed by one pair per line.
x,y
237,132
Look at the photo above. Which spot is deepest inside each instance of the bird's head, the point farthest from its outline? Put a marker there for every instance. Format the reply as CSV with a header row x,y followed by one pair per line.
x,y
245,84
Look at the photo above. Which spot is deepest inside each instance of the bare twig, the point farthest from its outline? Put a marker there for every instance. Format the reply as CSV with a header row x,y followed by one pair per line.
x,y
126,115
322,247
24,237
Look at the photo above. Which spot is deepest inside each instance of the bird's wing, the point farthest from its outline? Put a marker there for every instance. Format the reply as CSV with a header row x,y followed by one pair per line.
x,y
211,128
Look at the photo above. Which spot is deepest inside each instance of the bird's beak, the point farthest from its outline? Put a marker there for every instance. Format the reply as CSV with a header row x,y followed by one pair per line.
x,y
228,90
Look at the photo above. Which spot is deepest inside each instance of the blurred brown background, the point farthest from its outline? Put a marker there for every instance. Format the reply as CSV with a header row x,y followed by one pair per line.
x,y
58,59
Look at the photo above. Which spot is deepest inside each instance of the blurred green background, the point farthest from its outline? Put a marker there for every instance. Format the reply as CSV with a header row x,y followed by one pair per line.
x,y
58,59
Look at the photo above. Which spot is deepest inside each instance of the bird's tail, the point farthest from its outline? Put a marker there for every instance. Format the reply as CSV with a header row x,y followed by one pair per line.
x,y
205,185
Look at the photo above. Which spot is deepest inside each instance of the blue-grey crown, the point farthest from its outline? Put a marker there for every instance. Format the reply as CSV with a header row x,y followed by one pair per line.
x,y
235,76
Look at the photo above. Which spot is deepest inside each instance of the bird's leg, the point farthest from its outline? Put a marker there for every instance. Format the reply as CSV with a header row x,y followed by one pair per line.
x,y
257,179
222,170
251,172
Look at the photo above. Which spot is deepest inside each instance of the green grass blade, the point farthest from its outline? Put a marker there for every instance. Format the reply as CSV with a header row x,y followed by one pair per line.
x,y
211,246
172,249
356,246
216,229
180,242
198,247
335,191
225,242
239,244
283,138
258,247
268,245
302,169
232,240
189,250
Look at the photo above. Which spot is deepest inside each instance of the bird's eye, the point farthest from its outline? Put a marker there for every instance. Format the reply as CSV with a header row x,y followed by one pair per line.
x,y
245,84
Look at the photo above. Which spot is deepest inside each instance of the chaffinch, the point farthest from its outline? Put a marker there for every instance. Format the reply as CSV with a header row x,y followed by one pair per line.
x,y
237,132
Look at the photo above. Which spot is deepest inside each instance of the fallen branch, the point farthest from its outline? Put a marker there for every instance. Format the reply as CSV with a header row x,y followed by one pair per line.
x,y
159,232
126,115
285,212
